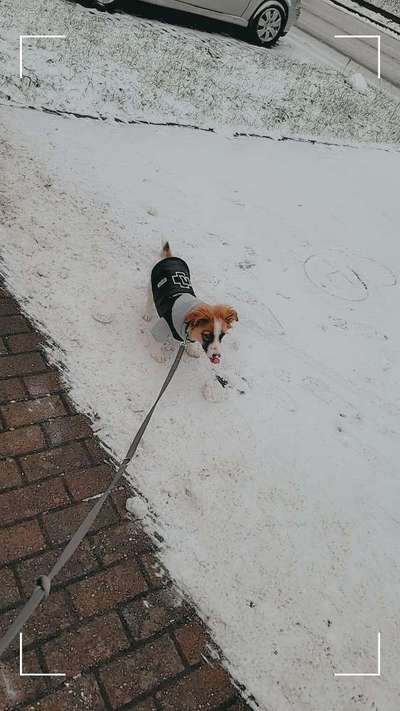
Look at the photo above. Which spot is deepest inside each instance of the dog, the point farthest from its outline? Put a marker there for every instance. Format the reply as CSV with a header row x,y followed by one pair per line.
x,y
170,294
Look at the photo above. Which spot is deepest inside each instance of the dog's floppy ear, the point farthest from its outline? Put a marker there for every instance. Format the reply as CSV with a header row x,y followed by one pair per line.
x,y
199,316
228,314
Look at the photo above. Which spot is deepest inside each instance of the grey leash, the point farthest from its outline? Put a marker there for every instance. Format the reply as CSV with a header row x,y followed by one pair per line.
x,y
43,582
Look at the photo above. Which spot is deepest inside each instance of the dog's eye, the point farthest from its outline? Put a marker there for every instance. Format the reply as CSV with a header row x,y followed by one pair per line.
x,y
221,335
207,336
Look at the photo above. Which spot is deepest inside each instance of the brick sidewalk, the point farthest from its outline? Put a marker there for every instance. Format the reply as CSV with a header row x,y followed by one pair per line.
x,y
112,623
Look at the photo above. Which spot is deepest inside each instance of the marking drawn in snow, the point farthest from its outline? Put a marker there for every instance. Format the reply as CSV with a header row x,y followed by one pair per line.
x,y
267,322
358,328
346,275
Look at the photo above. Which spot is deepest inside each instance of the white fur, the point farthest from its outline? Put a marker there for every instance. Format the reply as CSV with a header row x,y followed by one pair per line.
x,y
215,346
194,349
162,352
213,390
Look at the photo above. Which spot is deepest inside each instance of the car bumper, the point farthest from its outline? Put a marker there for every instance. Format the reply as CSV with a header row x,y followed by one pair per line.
x,y
294,14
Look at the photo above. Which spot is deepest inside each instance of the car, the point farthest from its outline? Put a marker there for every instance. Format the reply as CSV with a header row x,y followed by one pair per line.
x,y
266,20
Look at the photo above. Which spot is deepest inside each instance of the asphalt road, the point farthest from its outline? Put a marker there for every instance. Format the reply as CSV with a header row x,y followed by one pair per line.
x,y
323,20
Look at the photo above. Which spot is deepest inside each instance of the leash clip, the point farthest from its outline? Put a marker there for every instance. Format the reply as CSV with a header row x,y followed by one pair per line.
x,y
44,582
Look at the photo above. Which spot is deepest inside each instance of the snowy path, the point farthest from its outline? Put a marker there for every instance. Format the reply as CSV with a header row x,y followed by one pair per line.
x,y
279,507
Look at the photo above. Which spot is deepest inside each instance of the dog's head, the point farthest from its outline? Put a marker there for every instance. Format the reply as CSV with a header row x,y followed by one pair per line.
x,y
208,325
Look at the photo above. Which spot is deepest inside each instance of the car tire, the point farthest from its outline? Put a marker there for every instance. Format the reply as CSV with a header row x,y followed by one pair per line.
x,y
106,4
268,26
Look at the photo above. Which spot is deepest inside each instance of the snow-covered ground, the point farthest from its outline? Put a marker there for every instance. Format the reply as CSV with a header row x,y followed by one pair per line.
x,y
374,15
105,67
392,6
278,507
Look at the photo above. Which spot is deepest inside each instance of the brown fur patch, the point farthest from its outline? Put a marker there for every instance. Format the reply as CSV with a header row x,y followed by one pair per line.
x,y
202,318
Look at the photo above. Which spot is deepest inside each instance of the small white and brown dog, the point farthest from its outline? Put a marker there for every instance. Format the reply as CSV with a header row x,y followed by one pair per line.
x,y
181,314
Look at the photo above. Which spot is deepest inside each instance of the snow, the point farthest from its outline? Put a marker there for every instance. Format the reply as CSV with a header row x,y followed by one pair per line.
x,y
375,16
279,506
276,500
392,6
358,82
104,68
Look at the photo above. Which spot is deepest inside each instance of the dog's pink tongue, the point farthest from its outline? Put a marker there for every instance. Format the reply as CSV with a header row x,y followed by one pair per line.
x,y
215,359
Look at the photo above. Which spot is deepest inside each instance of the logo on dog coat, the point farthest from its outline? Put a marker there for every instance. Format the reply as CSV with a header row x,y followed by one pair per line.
x,y
181,279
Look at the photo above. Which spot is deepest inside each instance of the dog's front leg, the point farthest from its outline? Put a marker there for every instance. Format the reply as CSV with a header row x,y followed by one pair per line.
x,y
193,349
213,390
149,308
159,352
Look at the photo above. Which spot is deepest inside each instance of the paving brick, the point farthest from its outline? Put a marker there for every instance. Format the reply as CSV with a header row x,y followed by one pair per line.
x,y
9,474
24,342
204,688
8,307
153,613
12,389
122,541
108,588
15,689
148,705
78,461
239,706
9,593
156,573
53,615
20,541
29,412
49,618
43,384
31,500
6,620
89,482
20,441
119,497
192,639
83,561
140,671
13,324
96,452
61,525
67,429
55,461
90,644
21,364
78,695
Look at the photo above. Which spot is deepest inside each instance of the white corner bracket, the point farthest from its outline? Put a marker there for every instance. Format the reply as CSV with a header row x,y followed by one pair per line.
x,y
378,673
21,39
377,37
21,673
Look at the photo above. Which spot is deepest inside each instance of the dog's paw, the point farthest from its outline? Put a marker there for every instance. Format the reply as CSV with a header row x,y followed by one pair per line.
x,y
213,391
160,356
193,350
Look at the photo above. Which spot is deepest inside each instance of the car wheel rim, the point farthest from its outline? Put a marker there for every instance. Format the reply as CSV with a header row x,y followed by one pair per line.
x,y
104,3
269,24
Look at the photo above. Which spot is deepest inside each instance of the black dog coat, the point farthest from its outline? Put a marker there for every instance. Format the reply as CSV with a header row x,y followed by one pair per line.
x,y
173,297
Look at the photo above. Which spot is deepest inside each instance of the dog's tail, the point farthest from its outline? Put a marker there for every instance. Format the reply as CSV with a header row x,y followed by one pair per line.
x,y
165,249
